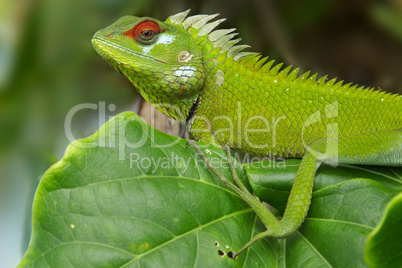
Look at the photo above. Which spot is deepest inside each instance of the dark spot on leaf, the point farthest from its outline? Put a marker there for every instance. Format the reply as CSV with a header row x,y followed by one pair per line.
x,y
231,255
221,253
216,244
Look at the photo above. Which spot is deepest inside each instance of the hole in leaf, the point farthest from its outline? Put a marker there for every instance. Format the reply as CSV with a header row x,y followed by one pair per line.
x,y
221,253
217,244
231,255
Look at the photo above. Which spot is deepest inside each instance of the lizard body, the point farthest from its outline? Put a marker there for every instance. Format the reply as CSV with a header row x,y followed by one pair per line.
x,y
197,75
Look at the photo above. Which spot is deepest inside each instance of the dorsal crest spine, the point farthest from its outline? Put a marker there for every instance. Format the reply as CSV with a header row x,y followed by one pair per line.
x,y
223,39
220,38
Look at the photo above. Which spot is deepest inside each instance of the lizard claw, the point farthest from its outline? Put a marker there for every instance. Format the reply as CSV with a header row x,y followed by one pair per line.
x,y
190,143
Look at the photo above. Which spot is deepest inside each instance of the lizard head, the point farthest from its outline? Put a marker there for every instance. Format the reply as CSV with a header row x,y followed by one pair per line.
x,y
169,62
161,59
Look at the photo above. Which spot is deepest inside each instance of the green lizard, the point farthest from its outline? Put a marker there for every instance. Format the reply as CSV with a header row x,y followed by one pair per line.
x,y
198,75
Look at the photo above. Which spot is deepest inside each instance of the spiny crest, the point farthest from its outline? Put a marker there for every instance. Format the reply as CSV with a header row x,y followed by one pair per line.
x,y
220,38
223,39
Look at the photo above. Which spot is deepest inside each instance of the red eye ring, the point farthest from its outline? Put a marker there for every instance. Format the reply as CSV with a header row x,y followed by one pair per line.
x,y
145,31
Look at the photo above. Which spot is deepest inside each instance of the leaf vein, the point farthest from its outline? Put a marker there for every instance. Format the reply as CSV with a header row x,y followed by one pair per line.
x,y
138,257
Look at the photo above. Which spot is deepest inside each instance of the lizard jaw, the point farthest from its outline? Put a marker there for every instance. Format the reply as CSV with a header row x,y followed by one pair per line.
x,y
101,45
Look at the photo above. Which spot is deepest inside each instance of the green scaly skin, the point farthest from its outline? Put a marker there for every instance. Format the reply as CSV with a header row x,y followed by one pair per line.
x,y
200,77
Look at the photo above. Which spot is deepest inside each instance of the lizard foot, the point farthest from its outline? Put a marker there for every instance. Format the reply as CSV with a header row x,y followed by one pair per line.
x,y
259,208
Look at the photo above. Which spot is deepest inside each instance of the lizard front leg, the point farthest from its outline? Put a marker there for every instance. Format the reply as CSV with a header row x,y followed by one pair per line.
x,y
357,149
298,202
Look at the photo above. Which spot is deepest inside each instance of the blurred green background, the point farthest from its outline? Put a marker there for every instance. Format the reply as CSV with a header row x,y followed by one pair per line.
x,y
48,66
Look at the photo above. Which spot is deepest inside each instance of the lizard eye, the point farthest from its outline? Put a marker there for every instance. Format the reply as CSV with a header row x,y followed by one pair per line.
x,y
144,32
147,34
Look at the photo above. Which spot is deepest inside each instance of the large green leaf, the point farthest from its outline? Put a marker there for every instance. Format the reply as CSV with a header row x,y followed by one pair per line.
x,y
384,245
107,204
272,180
127,196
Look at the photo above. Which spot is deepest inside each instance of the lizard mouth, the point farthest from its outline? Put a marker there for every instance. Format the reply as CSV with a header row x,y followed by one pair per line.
x,y
100,43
